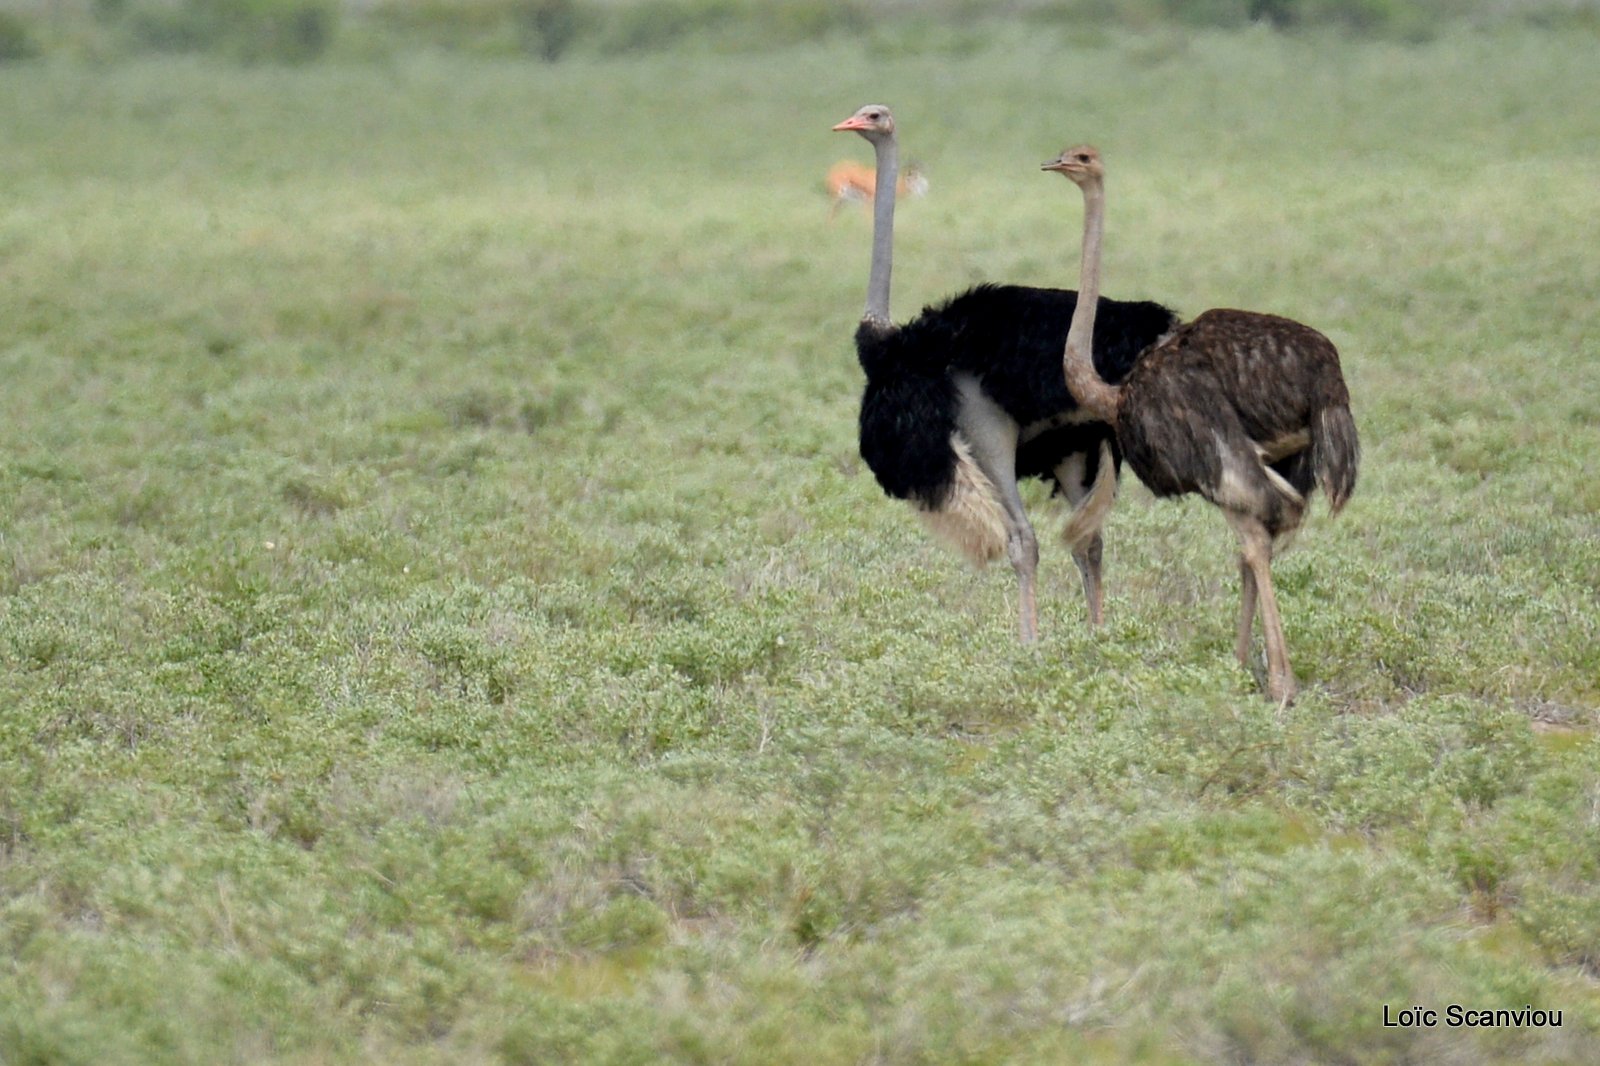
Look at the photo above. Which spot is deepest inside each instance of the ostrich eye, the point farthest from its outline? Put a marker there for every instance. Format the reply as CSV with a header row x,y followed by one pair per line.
x,y
1083,159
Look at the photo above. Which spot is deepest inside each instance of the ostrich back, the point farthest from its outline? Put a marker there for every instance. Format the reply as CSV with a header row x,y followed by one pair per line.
x,y
1010,338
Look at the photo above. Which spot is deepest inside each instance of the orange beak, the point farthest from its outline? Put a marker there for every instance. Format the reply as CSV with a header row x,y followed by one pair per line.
x,y
854,122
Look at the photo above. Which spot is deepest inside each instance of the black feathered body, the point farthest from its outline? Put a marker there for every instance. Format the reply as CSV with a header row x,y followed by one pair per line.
x,y
1237,406
1009,338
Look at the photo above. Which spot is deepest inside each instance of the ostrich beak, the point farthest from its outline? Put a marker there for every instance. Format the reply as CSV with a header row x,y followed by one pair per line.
x,y
1055,164
854,122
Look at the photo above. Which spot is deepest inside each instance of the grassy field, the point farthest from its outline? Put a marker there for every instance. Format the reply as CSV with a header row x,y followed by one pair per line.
x,y
443,616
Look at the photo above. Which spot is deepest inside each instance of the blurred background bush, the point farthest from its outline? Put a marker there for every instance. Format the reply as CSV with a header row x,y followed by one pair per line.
x,y
299,31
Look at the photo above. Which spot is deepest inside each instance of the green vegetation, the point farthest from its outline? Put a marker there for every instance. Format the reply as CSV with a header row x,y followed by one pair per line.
x,y
443,616
295,31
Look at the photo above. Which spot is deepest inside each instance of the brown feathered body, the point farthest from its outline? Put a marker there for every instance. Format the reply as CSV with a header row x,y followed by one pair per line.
x,y
1248,410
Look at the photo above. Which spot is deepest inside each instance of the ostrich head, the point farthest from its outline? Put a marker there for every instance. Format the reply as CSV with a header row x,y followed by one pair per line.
x,y
874,122
1080,164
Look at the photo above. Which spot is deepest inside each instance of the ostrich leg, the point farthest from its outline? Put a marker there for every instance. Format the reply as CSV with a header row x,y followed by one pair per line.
x,y
992,435
1088,560
1247,611
1256,557
1089,505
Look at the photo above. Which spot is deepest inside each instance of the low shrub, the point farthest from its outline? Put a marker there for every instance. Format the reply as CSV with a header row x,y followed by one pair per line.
x,y
298,31
284,31
16,41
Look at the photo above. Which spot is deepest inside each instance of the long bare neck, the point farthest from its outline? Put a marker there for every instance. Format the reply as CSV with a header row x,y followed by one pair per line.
x,y
1088,387
877,312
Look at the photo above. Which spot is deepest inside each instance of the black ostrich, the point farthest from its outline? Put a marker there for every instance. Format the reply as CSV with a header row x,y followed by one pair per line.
x,y
1248,410
967,397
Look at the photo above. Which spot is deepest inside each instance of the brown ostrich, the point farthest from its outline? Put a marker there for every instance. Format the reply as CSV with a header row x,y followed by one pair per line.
x,y
1248,410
